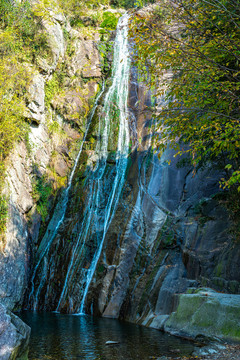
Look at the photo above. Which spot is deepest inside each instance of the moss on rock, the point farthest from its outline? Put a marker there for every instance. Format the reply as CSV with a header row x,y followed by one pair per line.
x,y
206,313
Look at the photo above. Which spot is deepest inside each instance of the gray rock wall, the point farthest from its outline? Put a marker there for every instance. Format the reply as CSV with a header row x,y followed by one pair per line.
x,y
48,153
169,234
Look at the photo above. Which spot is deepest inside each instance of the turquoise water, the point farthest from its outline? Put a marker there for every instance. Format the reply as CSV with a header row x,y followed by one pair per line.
x,y
69,337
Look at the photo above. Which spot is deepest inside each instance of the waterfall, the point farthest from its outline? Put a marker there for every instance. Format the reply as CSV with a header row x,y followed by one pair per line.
x,y
101,203
58,215
121,67
117,96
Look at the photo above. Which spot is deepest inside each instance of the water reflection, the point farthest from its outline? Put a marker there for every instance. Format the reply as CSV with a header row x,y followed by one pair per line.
x,y
68,337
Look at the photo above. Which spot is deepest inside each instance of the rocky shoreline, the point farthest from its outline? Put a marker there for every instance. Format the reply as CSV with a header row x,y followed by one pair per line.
x,y
213,352
229,352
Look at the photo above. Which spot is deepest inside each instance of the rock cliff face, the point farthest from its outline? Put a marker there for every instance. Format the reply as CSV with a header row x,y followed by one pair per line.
x,y
170,234
57,122
51,151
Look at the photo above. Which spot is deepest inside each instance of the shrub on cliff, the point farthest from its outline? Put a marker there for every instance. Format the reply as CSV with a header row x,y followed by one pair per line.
x,y
197,43
130,3
20,31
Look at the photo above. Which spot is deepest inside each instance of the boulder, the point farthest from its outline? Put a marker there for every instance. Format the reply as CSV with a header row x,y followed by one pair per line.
x,y
206,314
14,336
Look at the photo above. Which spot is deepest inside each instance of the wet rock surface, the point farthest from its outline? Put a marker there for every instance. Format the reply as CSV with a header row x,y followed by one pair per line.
x,y
48,154
169,236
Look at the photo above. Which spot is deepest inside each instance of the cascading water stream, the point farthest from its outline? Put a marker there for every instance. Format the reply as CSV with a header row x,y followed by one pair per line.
x,y
120,87
59,214
103,187
117,96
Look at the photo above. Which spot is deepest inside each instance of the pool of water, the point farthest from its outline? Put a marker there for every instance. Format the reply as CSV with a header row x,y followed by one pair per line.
x,y
69,337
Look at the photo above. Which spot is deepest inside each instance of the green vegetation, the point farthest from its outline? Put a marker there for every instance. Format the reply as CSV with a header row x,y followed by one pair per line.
x,y
219,269
167,237
52,88
15,35
3,213
79,8
130,3
83,13
22,41
109,21
105,48
42,190
23,44
198,44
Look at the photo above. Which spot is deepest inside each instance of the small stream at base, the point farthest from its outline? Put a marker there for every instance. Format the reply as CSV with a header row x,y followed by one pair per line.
x,y
69,337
